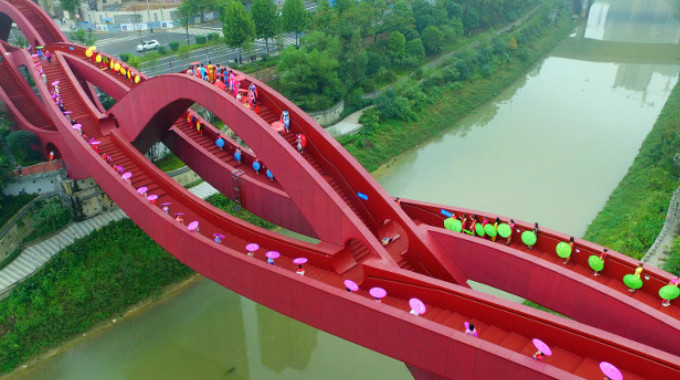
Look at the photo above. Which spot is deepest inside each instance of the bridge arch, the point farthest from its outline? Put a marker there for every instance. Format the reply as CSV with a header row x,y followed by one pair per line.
x,y
9,14
151,108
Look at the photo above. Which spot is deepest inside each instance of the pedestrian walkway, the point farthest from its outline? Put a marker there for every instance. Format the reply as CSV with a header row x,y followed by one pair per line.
x,y
348,125
34,257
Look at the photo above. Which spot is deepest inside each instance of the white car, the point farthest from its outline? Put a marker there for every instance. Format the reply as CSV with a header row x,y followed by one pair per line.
x,y
148,45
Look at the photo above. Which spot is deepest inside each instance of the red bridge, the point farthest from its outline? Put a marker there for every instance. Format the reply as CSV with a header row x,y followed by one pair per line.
x,y
326,194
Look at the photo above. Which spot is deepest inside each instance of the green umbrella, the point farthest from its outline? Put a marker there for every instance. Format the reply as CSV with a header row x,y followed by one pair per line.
x,y
504,230
40,47
453,224
529,238
563,249
669,292
479,229
490,230
632,281
596,263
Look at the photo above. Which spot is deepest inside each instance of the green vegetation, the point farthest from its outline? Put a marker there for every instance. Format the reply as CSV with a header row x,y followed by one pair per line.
x,y
84,37
239,32
48,216
543,308
21,144
673,263
636,210
229,206
295,17
169,163
411,113
10,204
264,14
91,280
8,260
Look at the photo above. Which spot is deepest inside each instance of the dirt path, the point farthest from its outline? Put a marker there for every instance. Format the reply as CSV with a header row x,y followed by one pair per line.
x,y
661,249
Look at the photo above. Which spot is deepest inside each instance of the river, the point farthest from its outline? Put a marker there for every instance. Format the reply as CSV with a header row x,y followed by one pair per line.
x,y
551,148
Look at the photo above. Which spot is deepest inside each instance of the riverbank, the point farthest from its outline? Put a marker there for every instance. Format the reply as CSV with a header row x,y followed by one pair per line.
x,y
635,212
376,147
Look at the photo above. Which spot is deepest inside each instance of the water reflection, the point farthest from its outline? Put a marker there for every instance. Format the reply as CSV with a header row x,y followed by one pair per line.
x,y
276,331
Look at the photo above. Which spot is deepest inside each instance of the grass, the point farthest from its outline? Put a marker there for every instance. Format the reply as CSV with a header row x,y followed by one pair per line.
x,y
183,50
229,206
10,204
169,163
543,308
94,278
393,137
635,212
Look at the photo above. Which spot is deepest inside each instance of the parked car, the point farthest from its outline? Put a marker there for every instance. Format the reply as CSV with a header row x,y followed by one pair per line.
x,y
148,45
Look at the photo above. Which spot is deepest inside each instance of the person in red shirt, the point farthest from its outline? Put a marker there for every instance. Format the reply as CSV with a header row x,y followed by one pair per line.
x,y
301,143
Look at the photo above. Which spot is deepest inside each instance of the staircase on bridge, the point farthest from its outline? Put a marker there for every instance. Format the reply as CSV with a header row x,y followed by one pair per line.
x,y
21,100
33,16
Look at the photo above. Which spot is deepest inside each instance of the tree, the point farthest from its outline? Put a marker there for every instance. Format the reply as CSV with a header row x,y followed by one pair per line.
x,y
70,6
264,16
295,17
85,38
400,19
238,28
415,50
309,79
433,39
184,15
396,46
20,144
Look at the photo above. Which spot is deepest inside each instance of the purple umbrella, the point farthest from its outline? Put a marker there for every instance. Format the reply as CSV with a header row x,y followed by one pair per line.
x,y
56,82
252,247
143,190
34,55
152,197
165,204
120,170
68,113
193,226
215,235
272,255
91,140
377,293
610,371
351,286
417,306
95,142
542,346
126,175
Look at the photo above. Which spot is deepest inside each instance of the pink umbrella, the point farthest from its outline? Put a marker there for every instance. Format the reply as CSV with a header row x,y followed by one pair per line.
x,y
95,142
193,226
152,197
76,126
272,255
542,346
68,113
179,214
54,96
41,72
610,371
56,82
143,190
252,247
351,286
34,55
126,175
215,235
278,126
417,306
239,78
165,204
300,260
91,140
377,293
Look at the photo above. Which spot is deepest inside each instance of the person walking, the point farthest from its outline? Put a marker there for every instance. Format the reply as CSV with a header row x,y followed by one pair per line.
x,y
512,229
603,257
470,330
571,247
48,56
44,77
285,119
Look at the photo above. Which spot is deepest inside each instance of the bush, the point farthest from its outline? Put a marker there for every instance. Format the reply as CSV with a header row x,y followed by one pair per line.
x,y
21,143
125,57
134,61
213,36
162,50
174,45
201,40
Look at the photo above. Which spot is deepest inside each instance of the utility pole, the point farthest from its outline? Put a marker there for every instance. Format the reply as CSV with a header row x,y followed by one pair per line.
x,y
148,14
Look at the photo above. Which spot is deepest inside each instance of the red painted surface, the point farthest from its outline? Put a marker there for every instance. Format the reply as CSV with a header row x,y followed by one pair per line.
x,y
432,345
